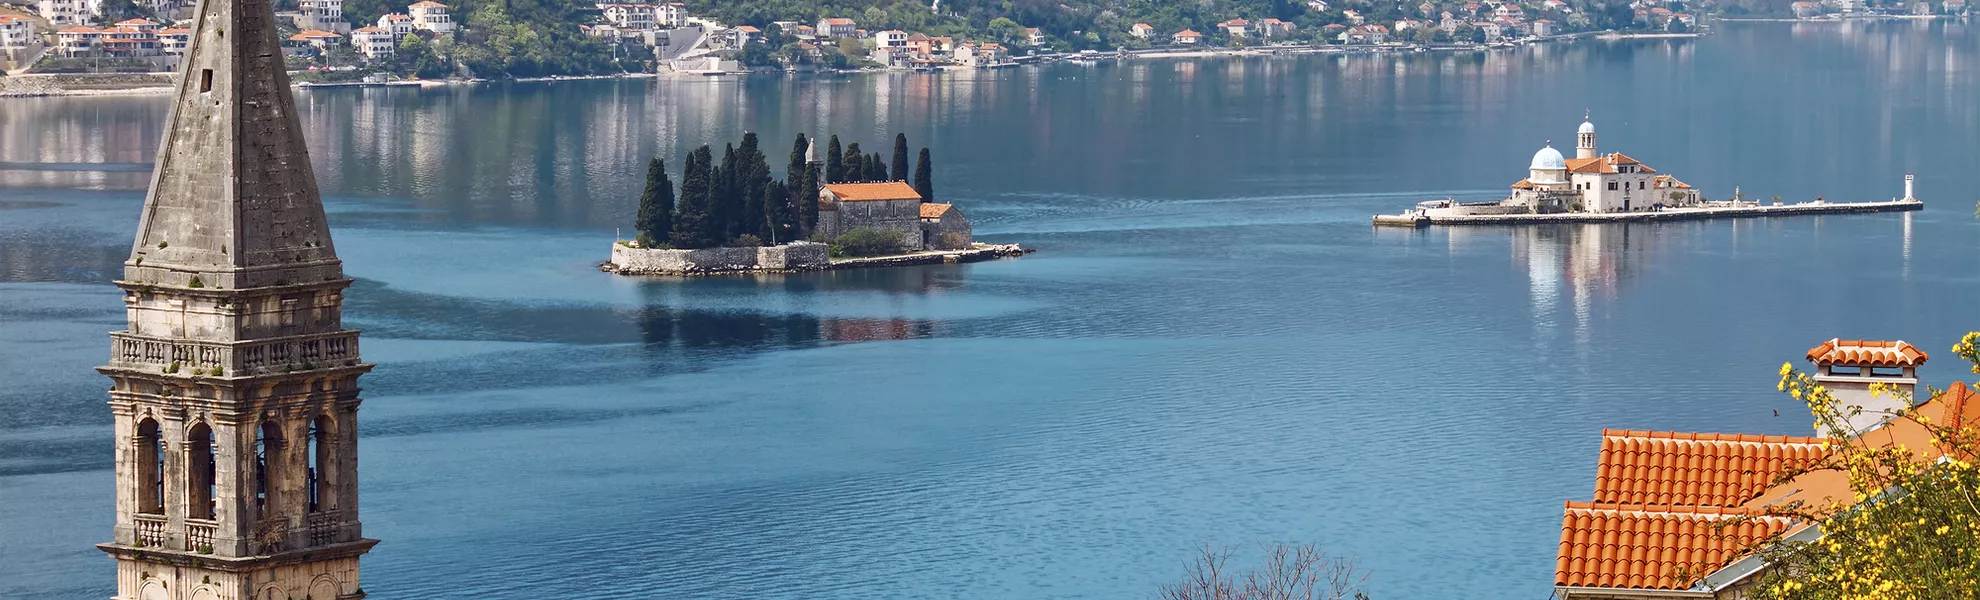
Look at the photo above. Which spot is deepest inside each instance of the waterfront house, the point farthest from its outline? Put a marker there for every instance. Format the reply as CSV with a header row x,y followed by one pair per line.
x,y
893,207
1543,27
837,27
1403,25
373,42
1354,18
1365,34
804,32
1033,37
1674,514
986,54
1270,27
130,40
919,44
1186,37
431,16
321,40
1235,27
892,38
17,33
77,41
1142,30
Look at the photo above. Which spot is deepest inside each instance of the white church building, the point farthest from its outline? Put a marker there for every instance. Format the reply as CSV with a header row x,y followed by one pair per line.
x,y
1595,182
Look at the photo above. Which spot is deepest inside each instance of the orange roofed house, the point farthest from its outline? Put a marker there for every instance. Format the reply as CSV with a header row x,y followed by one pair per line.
x,y
895,207
1674,514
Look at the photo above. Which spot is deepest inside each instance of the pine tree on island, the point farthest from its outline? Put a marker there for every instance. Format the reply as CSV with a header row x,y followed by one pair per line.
x,y
854,164
656,206
833,165
695,226
924,180
900,164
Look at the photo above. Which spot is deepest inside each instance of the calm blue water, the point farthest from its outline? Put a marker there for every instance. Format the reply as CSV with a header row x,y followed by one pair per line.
x,y
1211,345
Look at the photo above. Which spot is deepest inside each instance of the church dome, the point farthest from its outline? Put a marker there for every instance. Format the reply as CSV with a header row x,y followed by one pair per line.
x,y
1587,127
1548,159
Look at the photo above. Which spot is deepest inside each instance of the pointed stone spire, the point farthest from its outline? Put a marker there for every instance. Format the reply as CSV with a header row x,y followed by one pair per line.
x,y
233,201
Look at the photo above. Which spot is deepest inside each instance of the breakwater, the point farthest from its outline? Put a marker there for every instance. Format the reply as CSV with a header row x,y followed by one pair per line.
x,y
1426,219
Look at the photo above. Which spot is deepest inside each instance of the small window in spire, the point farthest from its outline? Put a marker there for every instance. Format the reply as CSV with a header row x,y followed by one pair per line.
x,y
205,80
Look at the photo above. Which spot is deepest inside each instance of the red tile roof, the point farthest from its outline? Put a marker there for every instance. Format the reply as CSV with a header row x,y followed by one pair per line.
x,y
1867,353
931,210
1705,469
1654,546
860,192
1677,536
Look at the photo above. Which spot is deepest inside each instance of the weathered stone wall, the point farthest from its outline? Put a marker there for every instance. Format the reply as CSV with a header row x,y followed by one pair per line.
x,y
902,217
796,256
950,232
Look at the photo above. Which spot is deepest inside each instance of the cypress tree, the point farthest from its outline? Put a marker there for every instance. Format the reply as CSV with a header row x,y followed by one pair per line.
x,y
656,206
900,157
924,178
876,168
695,226
853,163
807,200
794,170
752,176
833,166
781,217
727,201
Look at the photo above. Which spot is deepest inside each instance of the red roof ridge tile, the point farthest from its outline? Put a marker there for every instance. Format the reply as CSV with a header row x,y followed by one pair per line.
x,y
1878,353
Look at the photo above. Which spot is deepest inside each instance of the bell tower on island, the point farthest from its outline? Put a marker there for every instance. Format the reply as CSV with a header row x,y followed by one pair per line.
x,y
234,384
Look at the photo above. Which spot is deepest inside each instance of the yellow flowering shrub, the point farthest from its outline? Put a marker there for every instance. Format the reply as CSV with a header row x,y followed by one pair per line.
x,y
1914,532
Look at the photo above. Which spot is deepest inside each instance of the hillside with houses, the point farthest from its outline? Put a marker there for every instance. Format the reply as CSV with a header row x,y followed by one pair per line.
x,y
339,39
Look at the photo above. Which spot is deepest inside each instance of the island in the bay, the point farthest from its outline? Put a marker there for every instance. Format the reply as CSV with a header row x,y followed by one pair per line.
x,y
846,209
1614,187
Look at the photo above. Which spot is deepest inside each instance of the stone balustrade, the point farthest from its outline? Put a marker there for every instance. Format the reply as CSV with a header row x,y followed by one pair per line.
x,y
249,357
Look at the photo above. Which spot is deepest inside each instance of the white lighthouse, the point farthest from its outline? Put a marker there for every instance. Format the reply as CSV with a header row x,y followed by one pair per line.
x,y
1907,189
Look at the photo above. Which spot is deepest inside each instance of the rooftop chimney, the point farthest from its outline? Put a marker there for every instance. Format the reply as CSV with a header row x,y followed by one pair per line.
x,y
1849,367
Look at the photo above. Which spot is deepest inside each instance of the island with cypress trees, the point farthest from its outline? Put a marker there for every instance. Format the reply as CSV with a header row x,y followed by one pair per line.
x,y
843,210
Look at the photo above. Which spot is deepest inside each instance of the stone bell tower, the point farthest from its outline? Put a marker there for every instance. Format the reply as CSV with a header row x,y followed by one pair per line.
x,y
234,384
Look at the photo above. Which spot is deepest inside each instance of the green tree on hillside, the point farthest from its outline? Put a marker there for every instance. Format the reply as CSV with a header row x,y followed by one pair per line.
x,y
900,164
656,206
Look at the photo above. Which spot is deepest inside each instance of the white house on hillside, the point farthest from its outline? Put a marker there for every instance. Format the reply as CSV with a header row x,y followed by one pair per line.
x,y
431,16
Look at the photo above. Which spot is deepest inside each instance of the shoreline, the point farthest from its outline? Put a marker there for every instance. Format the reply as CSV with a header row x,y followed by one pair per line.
x,y
29,85
1419,221
799,257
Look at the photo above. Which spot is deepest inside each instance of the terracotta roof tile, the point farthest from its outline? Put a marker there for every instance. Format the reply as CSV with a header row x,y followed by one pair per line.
x,y
1670,545
858,192
1708,469
1589,165
1867,353
931,210
1653,546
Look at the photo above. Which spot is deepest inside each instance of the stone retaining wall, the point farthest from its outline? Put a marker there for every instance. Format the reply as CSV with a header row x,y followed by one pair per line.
x,y
796,256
